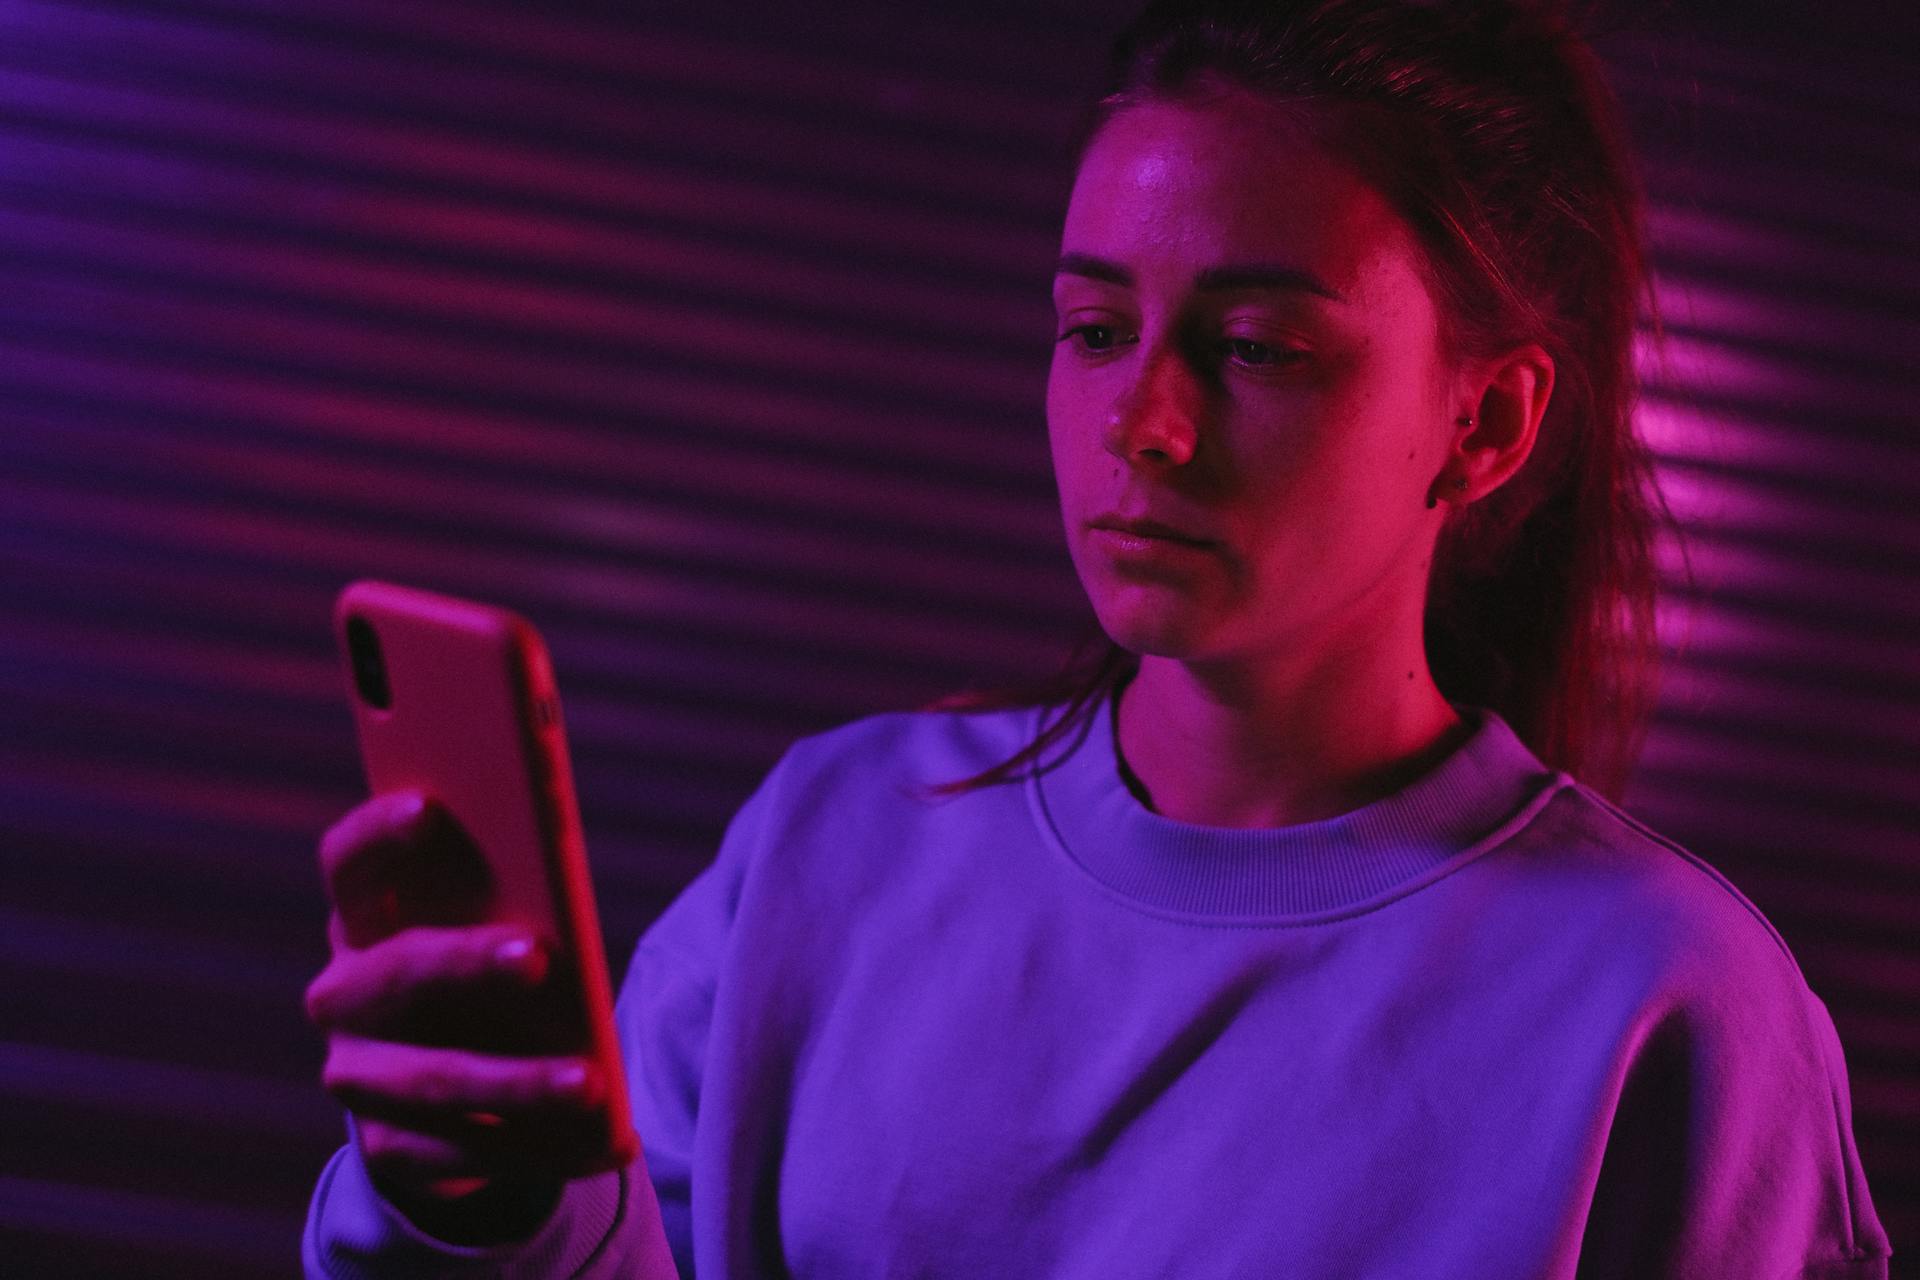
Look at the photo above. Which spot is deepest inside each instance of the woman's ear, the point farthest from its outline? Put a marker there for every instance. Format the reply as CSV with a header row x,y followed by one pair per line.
x,y
1498,430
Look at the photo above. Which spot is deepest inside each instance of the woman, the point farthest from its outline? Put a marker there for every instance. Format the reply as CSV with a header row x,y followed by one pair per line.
x,y
1283,938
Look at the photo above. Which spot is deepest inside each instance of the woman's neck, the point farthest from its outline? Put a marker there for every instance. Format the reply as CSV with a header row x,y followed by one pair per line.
x,y
1213,747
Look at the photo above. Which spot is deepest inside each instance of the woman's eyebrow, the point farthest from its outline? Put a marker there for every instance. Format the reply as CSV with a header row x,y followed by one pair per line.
x,y
1255,275
1266,275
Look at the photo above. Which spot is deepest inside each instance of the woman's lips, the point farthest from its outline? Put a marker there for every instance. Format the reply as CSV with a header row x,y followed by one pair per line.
x,y
1152,530
1128,546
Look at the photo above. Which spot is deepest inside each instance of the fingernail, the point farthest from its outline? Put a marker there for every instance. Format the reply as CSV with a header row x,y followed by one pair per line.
x,y
570,1079
513,953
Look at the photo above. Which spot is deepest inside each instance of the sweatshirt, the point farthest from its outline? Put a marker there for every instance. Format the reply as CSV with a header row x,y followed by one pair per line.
x,y
1488,1027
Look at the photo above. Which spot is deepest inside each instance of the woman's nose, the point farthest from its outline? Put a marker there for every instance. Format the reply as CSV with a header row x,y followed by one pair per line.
x,y
1158,422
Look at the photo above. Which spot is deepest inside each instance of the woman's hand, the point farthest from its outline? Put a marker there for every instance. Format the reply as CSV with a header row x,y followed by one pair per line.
x,y
437,1031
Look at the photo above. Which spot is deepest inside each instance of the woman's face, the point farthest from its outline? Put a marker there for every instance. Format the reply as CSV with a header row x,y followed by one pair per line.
x,y
1248,353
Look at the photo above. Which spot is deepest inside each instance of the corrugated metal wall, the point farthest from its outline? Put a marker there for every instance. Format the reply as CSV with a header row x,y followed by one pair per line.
x,y
714,338
1787,751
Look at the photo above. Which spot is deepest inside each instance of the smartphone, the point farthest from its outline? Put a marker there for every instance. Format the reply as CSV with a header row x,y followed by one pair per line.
x,y
457,698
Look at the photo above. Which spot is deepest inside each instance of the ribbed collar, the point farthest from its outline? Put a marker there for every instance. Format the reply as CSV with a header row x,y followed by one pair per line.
x,y
1489,785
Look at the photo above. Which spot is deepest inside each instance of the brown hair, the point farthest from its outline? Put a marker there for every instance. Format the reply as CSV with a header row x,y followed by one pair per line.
x,y
1489,126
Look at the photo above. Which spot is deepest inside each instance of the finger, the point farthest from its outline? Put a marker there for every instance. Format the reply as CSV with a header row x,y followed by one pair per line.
x,y
424,971
391,1150
417,1086
363,832
336,933
482,1145
416,1162
401,858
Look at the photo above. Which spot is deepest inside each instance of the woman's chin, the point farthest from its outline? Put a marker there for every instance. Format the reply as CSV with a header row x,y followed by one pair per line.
x,y
1165,632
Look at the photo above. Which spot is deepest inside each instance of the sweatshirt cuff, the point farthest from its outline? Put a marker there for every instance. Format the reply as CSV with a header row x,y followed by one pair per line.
x,y
355,1233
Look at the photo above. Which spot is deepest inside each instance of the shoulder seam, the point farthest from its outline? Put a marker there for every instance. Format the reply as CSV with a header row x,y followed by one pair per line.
x,y
1694,860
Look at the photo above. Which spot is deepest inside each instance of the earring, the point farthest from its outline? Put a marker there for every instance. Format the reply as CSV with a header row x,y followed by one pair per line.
x,y
1459,481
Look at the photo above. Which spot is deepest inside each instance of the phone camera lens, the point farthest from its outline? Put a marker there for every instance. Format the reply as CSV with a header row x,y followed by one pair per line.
x,y
369,666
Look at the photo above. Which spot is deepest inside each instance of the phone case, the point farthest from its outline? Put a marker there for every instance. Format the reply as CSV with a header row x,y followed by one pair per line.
x,y
473,718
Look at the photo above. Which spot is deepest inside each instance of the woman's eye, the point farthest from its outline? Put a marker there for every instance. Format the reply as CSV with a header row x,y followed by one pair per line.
x,y
1095,339
1102,339
1259,355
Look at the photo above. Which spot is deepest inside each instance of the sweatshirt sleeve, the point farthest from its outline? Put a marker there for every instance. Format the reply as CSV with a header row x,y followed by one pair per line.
x,y
1731,1150
665,1015
604,1226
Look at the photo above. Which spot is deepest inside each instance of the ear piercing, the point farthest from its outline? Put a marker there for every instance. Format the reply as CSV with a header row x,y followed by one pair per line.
x,y
1460,482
